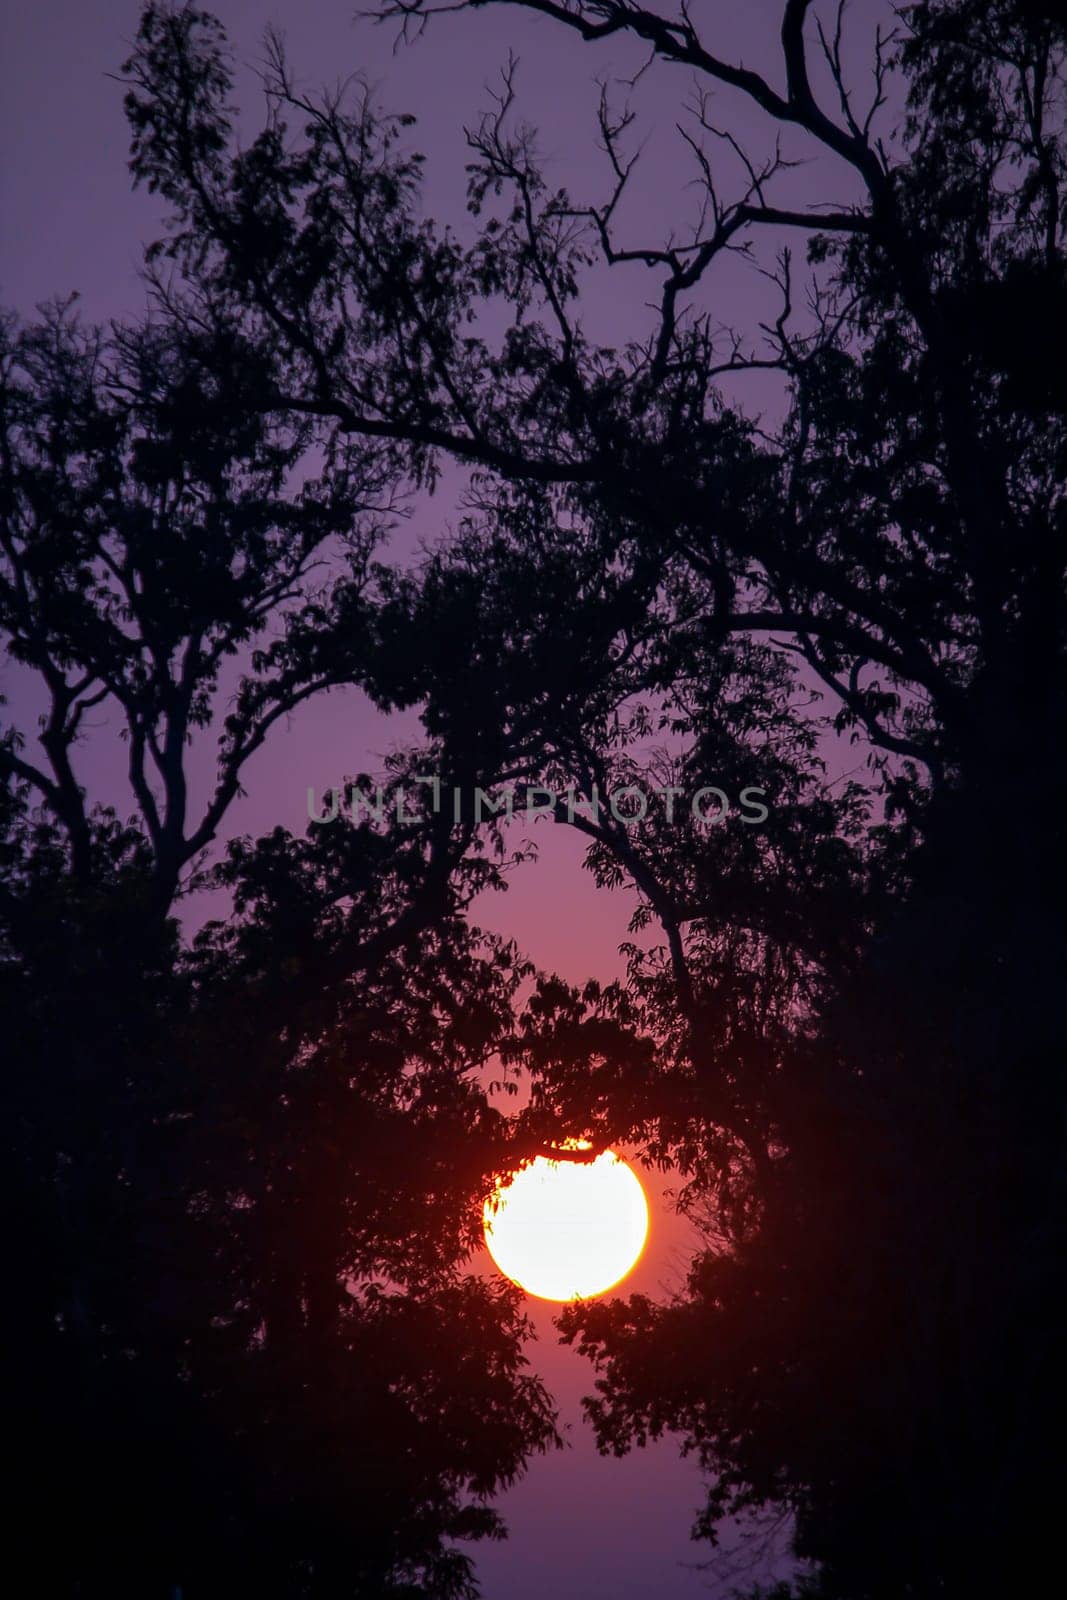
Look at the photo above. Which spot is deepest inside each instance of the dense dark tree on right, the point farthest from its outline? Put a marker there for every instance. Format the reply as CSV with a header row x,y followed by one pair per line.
x,y
857,1028
872,1335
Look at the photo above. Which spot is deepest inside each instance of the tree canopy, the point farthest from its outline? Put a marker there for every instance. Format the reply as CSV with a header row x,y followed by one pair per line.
x,y
839,1029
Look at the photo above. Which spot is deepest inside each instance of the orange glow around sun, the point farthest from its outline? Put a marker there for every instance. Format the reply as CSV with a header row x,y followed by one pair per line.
x,y
568,1229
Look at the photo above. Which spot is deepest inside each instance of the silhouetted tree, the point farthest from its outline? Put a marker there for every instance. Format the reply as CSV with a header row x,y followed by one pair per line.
x,y
870,1336
247,1169
849,1042
856,1019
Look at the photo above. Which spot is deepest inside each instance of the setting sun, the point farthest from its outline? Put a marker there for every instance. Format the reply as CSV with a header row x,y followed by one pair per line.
x,y
566,1229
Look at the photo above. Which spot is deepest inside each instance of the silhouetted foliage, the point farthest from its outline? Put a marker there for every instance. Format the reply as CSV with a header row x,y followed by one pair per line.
x,y
848,1045
248,1167
247,1175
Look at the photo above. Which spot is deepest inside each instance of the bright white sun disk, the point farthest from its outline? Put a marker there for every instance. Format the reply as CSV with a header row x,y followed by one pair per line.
x,y
567,1229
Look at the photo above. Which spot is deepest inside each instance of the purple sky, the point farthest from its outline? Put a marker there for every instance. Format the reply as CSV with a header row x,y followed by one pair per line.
x,y
580,1525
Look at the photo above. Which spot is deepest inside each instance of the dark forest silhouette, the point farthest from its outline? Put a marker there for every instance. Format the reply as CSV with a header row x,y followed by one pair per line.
x,y
251,1164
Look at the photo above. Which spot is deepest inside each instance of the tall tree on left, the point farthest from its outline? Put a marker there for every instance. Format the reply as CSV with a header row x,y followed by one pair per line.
x,y
250,1359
